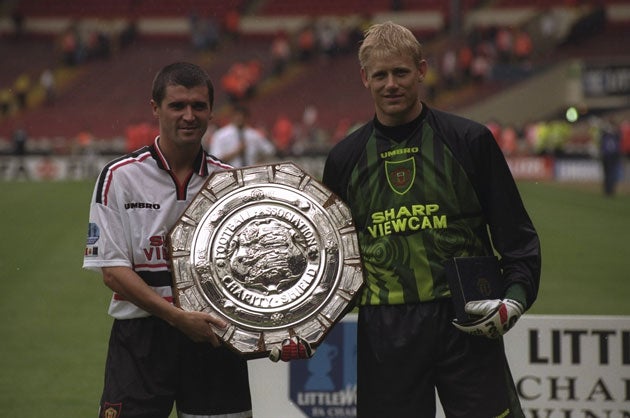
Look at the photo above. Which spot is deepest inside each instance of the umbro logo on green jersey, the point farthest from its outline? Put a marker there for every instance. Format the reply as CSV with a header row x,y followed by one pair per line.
x,y
400,151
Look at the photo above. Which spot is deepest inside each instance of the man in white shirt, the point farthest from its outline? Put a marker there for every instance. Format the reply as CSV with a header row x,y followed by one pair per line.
x,y
240,145
159,354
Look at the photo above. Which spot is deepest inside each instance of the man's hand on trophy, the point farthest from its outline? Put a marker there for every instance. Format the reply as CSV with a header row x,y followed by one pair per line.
x,y
294,348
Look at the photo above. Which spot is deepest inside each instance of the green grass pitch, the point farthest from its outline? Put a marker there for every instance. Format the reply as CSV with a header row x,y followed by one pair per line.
x,y
54,325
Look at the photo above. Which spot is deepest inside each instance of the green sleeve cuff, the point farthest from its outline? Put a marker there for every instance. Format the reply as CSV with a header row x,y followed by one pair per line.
x,y
518,293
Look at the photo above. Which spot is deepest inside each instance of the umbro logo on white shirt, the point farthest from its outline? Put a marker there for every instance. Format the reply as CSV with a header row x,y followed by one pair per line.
x,y
142,205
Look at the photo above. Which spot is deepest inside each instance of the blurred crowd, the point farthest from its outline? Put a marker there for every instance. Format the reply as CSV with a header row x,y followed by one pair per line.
x,y
483,55
560,138
76,45
475,58
306,137
325,37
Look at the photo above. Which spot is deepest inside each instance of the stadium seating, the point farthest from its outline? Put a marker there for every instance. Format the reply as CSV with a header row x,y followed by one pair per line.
x,y
350,7
125,8
322,7
30,56
107,95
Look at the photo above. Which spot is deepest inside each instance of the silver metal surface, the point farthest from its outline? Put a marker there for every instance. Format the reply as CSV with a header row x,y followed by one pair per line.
x,y
270,250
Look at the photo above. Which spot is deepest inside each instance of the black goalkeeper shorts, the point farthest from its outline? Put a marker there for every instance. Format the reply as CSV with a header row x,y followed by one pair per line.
x,y
406,352
151,365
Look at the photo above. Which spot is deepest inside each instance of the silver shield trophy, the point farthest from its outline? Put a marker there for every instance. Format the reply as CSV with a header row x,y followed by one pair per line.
x,y
270,250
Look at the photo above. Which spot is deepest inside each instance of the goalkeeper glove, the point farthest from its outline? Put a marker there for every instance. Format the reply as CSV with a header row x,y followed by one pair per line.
x,y
294,348
497,317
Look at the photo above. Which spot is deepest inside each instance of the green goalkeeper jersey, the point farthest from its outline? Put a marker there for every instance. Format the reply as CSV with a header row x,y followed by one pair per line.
x,y
418,199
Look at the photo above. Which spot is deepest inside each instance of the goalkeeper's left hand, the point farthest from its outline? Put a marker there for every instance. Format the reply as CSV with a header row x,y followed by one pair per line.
x,y
294,348
497,317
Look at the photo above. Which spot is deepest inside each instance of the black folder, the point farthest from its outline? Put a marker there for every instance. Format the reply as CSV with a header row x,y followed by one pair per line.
x,y
473,278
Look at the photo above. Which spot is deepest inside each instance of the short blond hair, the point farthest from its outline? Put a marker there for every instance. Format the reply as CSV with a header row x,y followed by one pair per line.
x,y
388,38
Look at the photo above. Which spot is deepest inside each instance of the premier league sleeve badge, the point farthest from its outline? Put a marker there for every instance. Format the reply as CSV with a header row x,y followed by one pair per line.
x,y
270,250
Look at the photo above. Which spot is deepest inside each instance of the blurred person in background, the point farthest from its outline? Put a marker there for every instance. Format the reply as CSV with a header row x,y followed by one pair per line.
x,y
22,86
280,51
6,101
425,186
238,143
610,150
48,83
282,134
20,139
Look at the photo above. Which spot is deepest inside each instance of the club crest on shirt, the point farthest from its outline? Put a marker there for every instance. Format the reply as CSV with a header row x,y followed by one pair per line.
x,y
111,410
400,174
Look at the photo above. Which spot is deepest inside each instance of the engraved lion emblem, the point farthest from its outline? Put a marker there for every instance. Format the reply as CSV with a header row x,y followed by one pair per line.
x,y
267,255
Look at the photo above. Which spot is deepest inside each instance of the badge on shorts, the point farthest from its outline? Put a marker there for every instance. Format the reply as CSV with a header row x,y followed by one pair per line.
x,y
270,250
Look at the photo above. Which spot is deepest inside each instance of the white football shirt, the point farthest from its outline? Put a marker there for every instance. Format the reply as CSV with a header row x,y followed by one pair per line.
x,y
135,203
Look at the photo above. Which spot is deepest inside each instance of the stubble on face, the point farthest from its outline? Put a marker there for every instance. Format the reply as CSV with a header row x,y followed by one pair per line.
x,y
393,81
183,115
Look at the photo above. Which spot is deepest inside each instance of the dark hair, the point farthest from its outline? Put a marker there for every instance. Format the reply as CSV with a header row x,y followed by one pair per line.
x,y
180,74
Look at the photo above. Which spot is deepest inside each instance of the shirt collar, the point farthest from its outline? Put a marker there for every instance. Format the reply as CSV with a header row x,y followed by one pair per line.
x,y
199,165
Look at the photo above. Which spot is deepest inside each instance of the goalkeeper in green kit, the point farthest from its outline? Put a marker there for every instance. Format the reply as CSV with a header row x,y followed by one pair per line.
x,y
425,186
